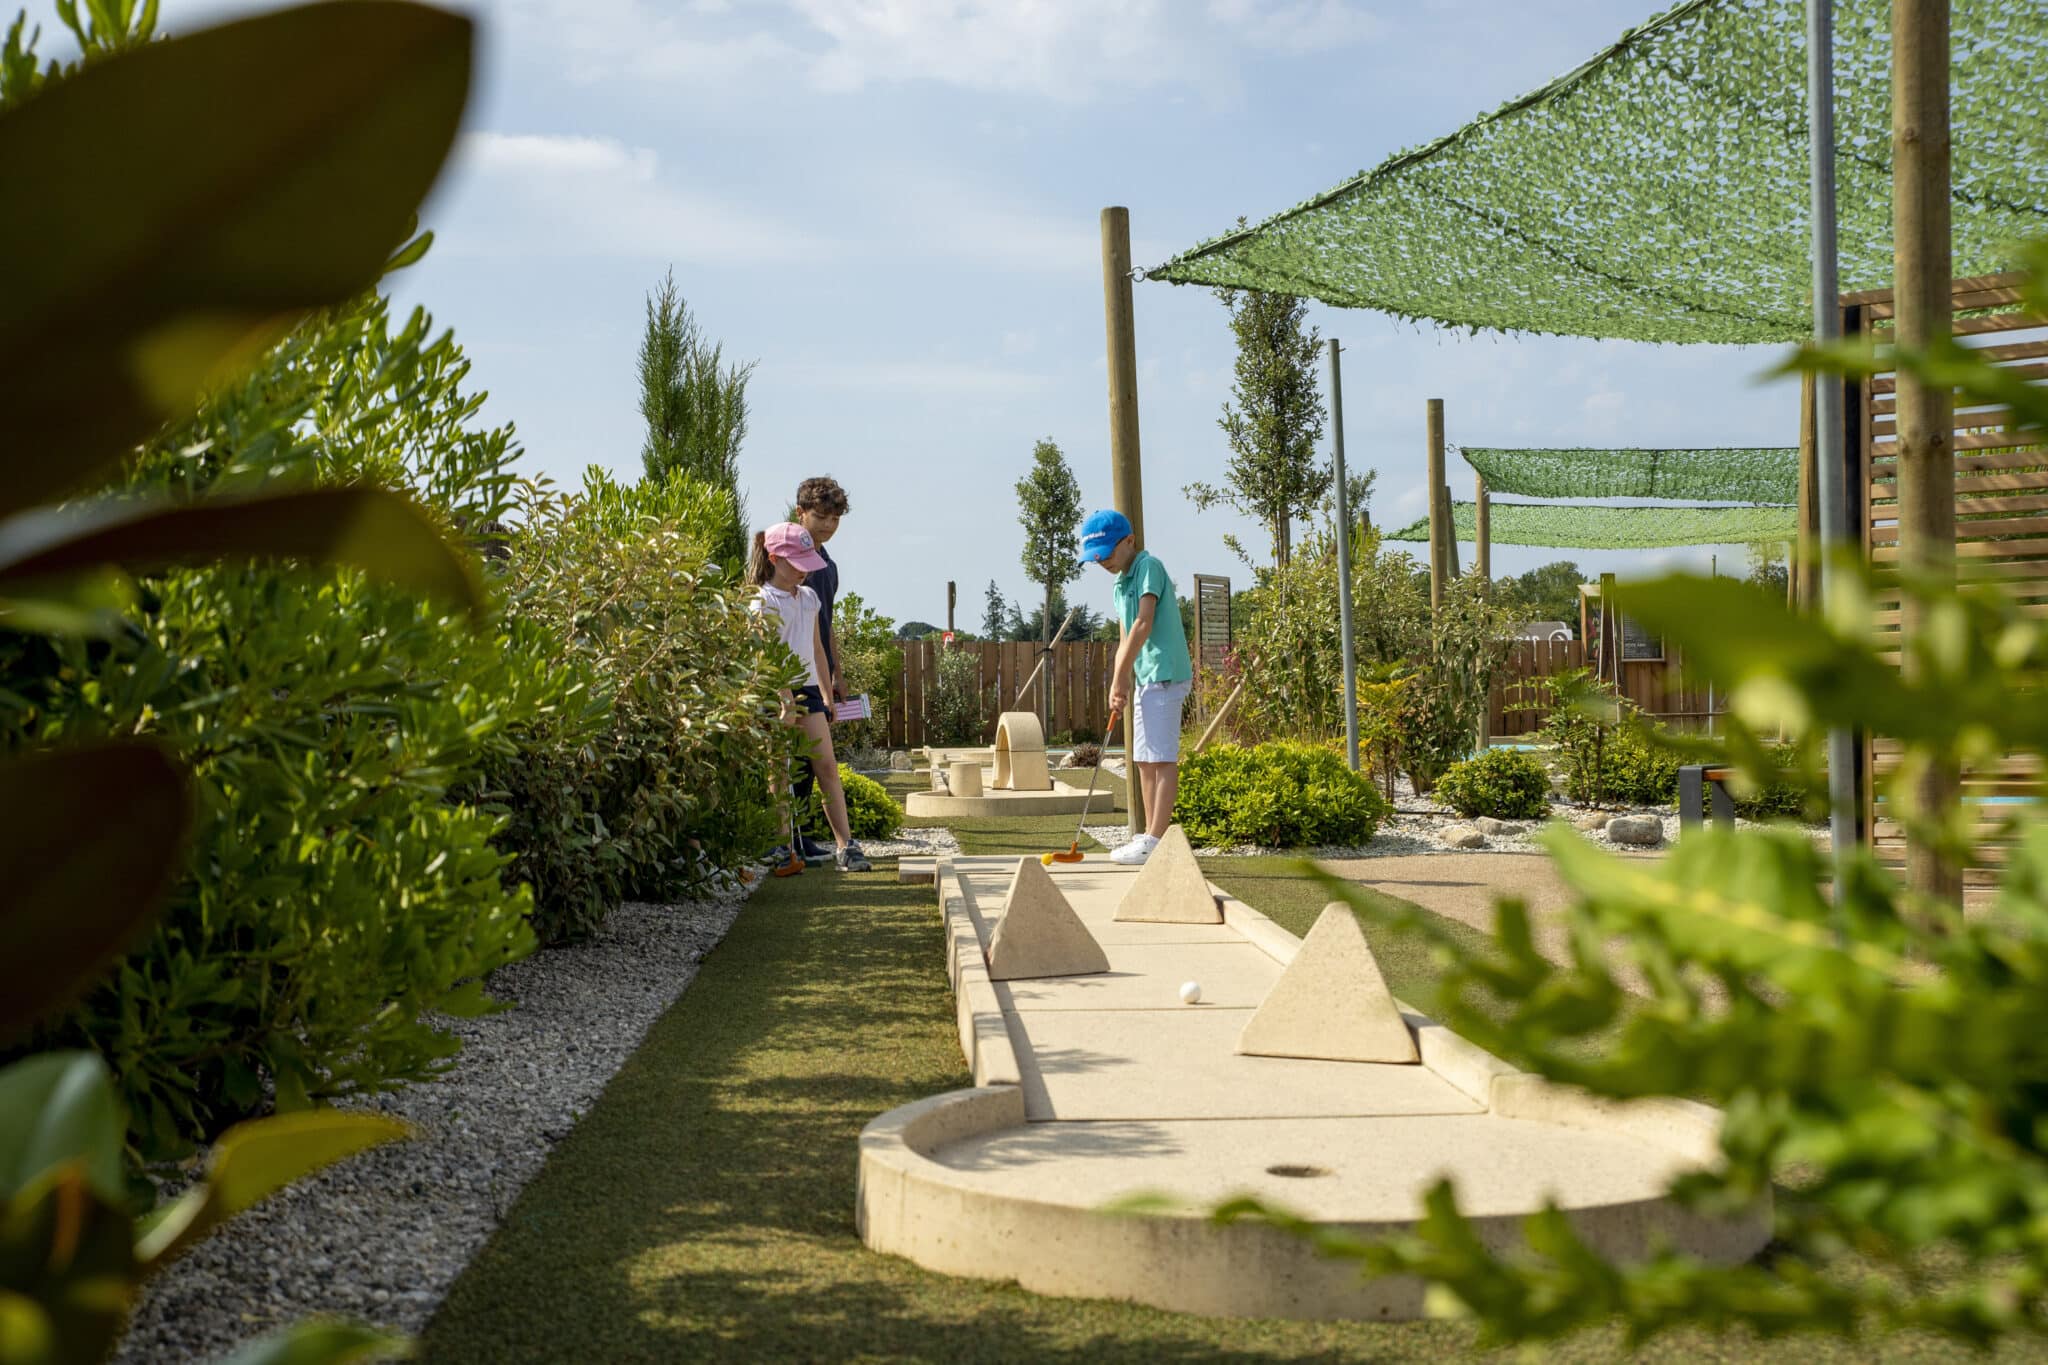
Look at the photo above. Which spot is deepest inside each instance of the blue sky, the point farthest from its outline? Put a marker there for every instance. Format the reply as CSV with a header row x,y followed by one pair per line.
x,y
891,206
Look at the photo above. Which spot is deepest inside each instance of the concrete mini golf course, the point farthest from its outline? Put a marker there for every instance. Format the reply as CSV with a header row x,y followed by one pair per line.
x,y
1092,1088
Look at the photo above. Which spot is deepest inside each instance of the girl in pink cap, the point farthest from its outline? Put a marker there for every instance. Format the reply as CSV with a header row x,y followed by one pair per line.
x,y
782,556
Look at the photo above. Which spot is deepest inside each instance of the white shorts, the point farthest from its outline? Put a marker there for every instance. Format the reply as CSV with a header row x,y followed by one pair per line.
x,y
1155,728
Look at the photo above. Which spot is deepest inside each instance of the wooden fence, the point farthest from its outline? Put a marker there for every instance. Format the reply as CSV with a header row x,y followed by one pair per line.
x,y
1078,674
1658,686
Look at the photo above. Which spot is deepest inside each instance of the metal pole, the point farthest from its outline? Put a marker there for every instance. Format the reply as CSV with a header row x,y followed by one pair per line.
x,y
1349,654
1827,327
1440,528
1126,484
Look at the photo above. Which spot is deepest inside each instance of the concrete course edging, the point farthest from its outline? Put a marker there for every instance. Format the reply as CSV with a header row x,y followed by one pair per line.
x,y
911,1202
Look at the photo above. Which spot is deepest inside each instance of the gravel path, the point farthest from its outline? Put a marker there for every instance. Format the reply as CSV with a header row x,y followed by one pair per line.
x,y
382,1237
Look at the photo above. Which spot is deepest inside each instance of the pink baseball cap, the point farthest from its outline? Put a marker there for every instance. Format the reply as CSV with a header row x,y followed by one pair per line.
x,y
792,542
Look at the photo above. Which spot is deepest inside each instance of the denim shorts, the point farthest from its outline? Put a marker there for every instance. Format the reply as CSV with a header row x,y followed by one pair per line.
x,y
811,702
1155,727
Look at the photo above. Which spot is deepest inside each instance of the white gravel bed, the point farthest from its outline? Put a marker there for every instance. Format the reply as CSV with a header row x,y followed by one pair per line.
x,y
1419,824
380,1238
913,842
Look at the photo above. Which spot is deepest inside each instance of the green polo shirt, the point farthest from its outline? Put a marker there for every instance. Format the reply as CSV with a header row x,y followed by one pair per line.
x,y
1164,655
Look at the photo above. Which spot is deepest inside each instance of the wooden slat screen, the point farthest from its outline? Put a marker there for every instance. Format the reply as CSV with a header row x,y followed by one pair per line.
x,y
2001,497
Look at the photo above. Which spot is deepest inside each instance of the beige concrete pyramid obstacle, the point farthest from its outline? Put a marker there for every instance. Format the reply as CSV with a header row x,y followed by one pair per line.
x,y
1331,1004
1171,889
1039,933
1020,754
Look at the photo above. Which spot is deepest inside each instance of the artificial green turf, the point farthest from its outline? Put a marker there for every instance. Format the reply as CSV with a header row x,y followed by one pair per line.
x,y
704,1209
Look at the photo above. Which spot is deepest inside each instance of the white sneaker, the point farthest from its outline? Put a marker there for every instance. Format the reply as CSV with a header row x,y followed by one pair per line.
x,y
1135,852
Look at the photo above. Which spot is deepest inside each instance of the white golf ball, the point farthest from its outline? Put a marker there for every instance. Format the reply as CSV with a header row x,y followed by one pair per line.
x,y
1191,992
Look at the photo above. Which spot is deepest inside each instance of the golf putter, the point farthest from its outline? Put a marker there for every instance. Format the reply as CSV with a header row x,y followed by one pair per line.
x,y
1073,852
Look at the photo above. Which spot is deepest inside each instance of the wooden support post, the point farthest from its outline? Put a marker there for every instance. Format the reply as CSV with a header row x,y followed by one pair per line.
x,y
1921,279
1126,483
952,600
1440,528
1610,634
1221,712
1482,511
1805,586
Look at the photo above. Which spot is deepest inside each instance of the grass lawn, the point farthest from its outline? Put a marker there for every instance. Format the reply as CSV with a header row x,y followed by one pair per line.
x,y
704,1209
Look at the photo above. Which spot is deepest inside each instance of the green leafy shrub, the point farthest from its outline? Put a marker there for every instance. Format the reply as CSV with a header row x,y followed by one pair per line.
x,y
651,771
959,707
1502,783
1783,794
94,834
334,892
870,663
1605,748
1290,644
1449,682
871,813
1281,794
1640,771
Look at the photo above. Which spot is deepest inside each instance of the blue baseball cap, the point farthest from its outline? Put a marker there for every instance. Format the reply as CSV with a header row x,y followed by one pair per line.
x,y
1102,533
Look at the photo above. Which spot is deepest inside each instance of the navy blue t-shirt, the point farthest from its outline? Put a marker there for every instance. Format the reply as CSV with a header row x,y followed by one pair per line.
x,y
825,583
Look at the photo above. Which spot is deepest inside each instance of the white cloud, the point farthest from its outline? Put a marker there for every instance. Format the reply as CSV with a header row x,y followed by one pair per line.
x,y
1297,28
593,196
1071,50
928,378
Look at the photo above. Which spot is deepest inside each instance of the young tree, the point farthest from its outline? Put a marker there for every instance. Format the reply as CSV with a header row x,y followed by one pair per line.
x,y
695,406
1049,509
1275,420
1768,569
1548,593
995,614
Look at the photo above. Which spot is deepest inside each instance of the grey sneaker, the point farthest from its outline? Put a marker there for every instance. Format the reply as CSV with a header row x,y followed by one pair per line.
x,y
851,859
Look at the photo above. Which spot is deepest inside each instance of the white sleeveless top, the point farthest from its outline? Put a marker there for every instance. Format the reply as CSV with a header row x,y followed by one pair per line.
x,y
797,614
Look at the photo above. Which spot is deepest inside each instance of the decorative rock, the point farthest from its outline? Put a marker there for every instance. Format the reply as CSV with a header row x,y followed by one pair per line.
x,y
1591,824
1493,828
1644,830
1464,836
1331,1003
899,760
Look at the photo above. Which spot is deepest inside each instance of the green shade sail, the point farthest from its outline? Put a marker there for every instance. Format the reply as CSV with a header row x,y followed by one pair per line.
x,y
1759,474
1568,527
1659,192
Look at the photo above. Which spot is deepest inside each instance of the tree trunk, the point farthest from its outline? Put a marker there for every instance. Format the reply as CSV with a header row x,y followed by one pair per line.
x,y
1923,292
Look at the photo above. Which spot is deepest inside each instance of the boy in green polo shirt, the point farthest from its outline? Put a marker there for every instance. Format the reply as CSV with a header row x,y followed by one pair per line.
x,y
1152,674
